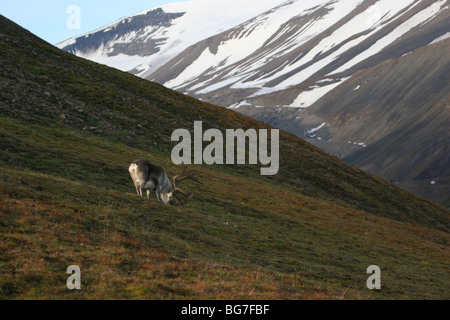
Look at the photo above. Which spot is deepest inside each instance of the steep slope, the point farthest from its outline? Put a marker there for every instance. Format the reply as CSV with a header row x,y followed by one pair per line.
x,y
397,115
299,41
418,106
69,129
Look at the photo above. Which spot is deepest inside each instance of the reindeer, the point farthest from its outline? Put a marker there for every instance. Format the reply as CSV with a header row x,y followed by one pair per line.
x,y
152,177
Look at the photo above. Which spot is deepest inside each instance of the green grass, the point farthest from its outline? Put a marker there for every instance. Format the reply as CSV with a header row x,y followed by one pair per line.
x,y
236,243
69,128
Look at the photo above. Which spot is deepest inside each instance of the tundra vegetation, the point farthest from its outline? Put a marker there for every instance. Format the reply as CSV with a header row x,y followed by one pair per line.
x,y
69,129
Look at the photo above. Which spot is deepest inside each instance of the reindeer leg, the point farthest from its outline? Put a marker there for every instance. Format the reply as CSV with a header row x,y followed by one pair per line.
x,y
158,195
148,194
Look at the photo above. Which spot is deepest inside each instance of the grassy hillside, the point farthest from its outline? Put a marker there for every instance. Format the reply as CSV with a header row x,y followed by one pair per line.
x,y
69,129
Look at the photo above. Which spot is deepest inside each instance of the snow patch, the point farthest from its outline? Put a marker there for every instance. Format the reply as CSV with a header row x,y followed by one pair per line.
x,y
441,38
418,19
239,104
121,61
361,144
316,129
307,98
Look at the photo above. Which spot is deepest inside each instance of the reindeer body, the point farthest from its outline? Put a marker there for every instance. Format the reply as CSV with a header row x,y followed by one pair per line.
x,y
151,177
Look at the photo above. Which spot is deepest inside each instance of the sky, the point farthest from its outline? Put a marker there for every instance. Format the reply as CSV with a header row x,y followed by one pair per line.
x,y
59,20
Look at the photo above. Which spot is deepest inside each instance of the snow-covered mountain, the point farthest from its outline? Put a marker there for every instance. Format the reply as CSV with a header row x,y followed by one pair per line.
x,y
229,53
145,41
299,41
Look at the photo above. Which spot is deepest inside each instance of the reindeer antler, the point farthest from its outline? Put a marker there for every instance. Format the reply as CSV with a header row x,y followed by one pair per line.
x,y
185,175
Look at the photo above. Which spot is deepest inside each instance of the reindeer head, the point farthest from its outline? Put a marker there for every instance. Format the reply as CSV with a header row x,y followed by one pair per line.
x,y
173,196
167,198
